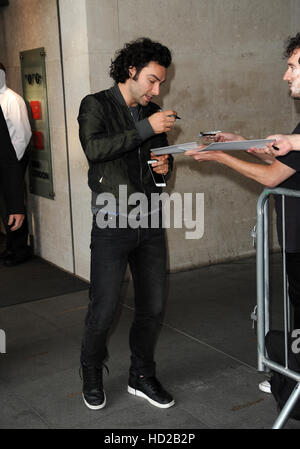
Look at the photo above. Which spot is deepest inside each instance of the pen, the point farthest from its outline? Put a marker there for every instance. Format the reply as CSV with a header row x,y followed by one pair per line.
x,y
171,115
208,133
176,116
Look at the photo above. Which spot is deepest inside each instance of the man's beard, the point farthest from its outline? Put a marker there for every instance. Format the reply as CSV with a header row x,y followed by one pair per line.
x,y
294,97
295,89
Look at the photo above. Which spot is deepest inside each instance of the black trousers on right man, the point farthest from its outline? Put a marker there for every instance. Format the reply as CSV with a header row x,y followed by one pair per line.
x,y
293,274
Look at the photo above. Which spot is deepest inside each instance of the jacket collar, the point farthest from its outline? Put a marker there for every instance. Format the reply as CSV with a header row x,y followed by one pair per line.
x,y
115,91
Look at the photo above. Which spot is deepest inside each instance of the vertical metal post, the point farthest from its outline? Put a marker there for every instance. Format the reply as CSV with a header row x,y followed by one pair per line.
x,y
266,267
260,282
285,295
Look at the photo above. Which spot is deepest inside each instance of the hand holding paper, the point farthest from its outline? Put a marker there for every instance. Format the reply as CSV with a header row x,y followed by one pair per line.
x,y
281,145
172,149
201,155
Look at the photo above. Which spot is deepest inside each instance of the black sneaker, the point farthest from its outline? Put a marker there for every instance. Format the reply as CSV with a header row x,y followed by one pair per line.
x,y
150,389
92,389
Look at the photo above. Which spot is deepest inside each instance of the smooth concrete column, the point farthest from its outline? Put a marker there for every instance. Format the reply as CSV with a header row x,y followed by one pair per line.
x,y
75,61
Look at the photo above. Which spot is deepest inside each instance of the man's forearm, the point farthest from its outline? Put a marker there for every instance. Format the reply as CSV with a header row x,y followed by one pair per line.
x,y
267,158
264,174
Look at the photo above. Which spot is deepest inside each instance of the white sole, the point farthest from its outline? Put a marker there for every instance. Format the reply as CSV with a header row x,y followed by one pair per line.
x,y
266,388
95,407
142,395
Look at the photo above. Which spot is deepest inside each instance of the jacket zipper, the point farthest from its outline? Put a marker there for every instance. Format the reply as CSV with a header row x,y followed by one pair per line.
x,y
141,170
140,158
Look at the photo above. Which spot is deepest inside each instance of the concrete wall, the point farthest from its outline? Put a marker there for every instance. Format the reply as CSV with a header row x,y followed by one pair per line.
x,y
226,74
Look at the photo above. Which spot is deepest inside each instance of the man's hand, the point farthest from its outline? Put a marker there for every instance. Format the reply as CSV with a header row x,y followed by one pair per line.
x,y
203,156
162,166
227,137
17,219
283,144
163,121
264,154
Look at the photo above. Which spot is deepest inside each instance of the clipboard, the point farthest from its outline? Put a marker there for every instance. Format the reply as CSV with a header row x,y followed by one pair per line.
x,y
173,149
237,145
240,145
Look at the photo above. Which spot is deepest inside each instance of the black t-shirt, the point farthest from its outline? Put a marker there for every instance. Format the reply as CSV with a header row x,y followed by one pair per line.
x,y
292,205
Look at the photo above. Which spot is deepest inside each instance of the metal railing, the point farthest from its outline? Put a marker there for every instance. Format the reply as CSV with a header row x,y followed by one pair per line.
x,y
263,297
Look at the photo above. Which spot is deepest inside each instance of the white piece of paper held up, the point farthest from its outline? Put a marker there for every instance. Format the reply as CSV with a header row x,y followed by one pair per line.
x,y
237,145
171,149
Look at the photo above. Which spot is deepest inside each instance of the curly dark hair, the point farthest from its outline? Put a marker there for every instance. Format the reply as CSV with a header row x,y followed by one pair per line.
x,y
292,44
138,54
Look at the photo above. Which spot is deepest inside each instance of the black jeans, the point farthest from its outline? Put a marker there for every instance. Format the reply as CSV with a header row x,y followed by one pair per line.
x,y
111,251
293,274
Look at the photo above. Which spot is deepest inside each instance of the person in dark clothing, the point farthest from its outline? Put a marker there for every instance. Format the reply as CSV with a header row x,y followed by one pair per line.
x,y
15,113
282,171
118,128
282,386
11,180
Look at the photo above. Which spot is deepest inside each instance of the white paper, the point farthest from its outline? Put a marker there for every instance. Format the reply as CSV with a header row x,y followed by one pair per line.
x,y
171,149
237,145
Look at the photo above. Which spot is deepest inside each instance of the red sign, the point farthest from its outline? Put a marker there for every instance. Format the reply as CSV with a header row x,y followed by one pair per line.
x,y
36,110
38,140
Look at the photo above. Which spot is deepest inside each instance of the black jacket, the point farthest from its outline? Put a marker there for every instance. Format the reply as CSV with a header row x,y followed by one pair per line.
x,y
117,152
11,175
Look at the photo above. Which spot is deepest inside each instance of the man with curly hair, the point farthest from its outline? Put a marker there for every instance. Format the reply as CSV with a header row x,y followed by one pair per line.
x,y
118,128
278,171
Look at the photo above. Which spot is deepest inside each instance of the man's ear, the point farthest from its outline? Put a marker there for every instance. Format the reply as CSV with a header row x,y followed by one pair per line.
x,y
132,72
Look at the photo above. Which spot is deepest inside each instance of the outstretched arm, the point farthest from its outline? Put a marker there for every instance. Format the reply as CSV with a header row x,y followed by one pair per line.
x,y
268,175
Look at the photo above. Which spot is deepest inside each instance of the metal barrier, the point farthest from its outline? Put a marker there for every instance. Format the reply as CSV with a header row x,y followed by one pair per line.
x,y
263,297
